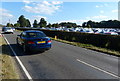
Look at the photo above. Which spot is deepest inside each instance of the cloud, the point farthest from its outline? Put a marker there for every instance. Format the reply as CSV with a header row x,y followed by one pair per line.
x,y
38,17
5,13
97,17
26,1
98,6
114,11
103,5
5,16
102,11
44,7
57,2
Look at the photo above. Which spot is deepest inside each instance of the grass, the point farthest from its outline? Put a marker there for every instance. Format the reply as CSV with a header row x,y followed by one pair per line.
x,y
89,46
8,69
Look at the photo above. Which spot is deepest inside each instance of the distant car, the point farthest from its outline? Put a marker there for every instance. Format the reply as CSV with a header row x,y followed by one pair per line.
x,y
7,30
13,29
111,33
33,40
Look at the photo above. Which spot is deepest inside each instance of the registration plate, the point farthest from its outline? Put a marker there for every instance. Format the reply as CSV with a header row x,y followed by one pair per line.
x,y
40,42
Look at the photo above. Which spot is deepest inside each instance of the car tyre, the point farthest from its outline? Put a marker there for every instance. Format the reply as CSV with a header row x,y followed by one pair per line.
x,y
17,42
25,49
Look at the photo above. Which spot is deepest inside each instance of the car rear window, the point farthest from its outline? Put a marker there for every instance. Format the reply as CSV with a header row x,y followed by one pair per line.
x,y
35,34
7,28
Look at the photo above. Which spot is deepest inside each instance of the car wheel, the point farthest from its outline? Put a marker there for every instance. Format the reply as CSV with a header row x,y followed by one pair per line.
x,y
17,42
25,49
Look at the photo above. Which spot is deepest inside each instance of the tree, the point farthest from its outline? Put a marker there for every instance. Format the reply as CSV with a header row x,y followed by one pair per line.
x,y
16,25
103,24
22,21
28,23
68,24
42,22
84,24
90,24
49,25
9,25
35,24
55,25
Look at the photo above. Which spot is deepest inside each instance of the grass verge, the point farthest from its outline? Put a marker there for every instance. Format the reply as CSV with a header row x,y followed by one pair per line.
x,y
8,69
89,46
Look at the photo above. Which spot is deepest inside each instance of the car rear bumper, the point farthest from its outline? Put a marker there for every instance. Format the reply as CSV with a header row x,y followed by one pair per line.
x,y
39,48
7,32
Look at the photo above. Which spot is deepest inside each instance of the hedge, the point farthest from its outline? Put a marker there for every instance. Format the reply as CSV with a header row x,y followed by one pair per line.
x,y
106,41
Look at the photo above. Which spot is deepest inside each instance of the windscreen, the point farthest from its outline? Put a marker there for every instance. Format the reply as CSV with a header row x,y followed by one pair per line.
x,y
35,34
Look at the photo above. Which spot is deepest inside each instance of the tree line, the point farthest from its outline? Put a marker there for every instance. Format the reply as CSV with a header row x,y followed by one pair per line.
x,y
23,22
102,24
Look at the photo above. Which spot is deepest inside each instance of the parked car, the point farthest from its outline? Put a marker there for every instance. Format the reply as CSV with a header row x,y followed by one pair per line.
x,y
33,40
7,30
13,29
111,33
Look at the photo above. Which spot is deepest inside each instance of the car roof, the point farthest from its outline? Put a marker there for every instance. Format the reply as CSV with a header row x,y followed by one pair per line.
x,y
33,31
7,27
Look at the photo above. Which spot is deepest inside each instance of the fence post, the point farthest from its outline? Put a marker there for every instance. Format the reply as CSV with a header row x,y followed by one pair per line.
x,y
55,37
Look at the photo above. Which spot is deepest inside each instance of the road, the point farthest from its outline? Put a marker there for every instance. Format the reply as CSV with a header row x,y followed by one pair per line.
x,y
64,61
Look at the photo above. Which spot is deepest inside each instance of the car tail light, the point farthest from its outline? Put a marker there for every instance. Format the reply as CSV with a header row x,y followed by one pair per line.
x,y
31,42
49,41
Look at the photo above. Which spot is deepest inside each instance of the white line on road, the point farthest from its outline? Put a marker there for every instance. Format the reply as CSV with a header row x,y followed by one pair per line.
x,y
98,68
19,61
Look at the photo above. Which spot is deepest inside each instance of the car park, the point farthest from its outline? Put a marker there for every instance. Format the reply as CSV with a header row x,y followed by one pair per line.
x,y
7,30
33,40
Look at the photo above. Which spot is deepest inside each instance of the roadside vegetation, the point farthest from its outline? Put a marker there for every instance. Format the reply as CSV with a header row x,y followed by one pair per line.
x,y
8,69
112,44
91,47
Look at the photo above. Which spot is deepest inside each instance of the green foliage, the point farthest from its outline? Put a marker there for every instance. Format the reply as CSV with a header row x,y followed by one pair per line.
x,y
56,25
22,21
68,24
9,25
104,41
35,24
42,23
102,24
99,40
49,25
16,25
28,23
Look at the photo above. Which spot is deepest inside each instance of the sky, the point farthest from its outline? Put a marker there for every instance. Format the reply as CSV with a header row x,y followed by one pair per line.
x,y
58,11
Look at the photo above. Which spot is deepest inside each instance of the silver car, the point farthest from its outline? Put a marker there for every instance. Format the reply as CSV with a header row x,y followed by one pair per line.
x,y
7,30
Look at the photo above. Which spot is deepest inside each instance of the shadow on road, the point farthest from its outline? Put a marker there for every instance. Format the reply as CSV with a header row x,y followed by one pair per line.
x,y
18,50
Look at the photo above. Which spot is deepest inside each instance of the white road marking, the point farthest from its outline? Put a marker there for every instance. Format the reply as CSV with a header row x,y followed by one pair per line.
x,y
19,61
98,68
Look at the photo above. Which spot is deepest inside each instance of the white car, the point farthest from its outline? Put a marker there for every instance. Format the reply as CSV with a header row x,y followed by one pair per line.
x,y
7,30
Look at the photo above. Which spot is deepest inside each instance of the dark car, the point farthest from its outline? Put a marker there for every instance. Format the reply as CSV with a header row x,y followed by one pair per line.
x,y
32,40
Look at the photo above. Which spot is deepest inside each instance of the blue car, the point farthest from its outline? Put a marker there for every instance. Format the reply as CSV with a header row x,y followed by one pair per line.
x,y
33,40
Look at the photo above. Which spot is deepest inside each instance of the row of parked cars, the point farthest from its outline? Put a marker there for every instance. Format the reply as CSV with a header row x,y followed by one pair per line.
x,y
108,31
